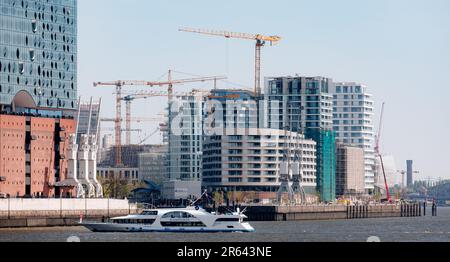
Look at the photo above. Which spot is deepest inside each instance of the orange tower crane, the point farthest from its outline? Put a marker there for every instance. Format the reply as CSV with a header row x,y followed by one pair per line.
x,y
122,83
129,98
260,42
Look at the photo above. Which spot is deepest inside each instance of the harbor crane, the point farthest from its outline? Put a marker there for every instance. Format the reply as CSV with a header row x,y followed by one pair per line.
x,y
129,98
379,154
260,43
120,84
149,136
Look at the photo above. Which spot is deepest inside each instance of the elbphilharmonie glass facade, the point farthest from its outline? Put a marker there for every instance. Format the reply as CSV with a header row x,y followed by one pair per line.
x,y
38,52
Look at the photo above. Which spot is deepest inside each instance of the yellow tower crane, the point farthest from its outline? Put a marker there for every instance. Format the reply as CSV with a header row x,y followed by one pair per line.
x,y
260,42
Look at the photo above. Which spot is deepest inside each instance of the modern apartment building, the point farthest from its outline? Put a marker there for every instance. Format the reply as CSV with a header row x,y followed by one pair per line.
x,y
186,118
353,110
230,111
305,105
251,162
38,92
152,166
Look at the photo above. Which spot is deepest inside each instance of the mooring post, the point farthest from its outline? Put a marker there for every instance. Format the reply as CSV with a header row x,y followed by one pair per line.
x,y
425,208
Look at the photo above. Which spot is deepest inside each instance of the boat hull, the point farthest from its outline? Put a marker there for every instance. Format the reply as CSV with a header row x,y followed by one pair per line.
x,y
122,228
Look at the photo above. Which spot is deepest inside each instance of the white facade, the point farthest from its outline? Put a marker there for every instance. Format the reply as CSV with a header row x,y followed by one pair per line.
x,y
181,190
185,138
353,123
107,142
252,162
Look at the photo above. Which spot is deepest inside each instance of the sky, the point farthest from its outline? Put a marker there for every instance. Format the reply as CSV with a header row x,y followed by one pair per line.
x,y
400,49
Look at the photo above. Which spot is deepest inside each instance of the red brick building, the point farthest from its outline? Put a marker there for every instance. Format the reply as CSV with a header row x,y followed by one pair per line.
x,y
32,155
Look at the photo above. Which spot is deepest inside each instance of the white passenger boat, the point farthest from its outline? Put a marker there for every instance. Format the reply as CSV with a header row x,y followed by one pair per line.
x,y
189,219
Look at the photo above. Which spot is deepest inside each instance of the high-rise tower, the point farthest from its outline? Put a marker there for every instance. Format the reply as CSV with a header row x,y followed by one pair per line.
x,y
38,93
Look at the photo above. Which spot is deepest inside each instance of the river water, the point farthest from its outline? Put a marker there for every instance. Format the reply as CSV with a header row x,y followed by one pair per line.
x,y
422,229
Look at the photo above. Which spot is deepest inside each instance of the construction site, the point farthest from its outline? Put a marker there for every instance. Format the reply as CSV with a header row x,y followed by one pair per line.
x,y
261,173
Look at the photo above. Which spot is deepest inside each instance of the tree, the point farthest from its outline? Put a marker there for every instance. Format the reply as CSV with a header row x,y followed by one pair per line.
x,y
117,187
218,197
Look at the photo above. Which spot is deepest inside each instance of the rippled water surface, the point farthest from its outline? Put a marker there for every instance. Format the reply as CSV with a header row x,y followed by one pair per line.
x,y
423,229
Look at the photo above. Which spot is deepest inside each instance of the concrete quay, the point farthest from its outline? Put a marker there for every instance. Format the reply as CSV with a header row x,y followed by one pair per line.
x,y
331,212
59,212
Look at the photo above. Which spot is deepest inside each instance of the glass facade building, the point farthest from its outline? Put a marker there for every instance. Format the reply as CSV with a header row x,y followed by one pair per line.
x,y
231,111
38,54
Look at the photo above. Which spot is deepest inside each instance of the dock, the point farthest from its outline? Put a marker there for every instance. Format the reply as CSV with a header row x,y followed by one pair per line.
x,y
332,212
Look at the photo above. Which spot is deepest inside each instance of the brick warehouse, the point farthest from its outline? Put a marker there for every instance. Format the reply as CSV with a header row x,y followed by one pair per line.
x,y
38,95
32,155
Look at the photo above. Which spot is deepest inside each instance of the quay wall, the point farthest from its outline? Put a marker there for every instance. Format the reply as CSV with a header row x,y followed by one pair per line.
x,y
331,212
59,212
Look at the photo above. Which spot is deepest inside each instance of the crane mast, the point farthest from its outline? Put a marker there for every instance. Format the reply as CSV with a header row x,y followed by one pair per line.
x,y
119,86
379,154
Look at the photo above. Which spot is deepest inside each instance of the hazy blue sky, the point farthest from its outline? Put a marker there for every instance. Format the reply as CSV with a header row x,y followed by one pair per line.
x,y
399,49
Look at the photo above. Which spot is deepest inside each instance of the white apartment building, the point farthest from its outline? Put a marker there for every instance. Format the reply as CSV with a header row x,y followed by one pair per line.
x,y
353,110
252,162
184,157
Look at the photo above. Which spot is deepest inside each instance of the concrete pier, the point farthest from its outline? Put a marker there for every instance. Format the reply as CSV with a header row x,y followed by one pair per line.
x,y
60,212
330,212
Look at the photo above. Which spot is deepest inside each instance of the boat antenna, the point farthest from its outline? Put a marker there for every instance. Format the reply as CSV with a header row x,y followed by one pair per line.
x,y
205,193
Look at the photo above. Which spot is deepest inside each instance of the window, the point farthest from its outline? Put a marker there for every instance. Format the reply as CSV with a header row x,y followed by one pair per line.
x,y
149,213
228,219
182,224
21,68
178,215
34,26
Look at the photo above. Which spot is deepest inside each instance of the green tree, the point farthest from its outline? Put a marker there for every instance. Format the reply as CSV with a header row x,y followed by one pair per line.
x,y
116,187
218,197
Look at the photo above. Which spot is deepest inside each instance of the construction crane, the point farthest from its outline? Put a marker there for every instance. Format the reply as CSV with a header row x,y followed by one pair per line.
x,y
149,136
379,154
260,42
129,98
135,119
122,83
123,130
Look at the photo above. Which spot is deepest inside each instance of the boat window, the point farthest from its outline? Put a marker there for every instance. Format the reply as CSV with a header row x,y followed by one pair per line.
x,y
183,224
135,221
178,214
149,213
228,219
